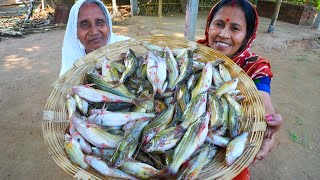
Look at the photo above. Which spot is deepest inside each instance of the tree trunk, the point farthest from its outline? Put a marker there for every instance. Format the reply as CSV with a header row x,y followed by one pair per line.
x,y
274,17
191,19
316,23
160,8
115,11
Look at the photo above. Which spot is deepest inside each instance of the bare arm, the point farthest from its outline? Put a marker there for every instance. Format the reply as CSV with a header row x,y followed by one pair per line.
x,y
266,99
273,121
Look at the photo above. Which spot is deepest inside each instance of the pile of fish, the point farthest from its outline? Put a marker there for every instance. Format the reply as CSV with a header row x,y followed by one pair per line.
x,y
155,115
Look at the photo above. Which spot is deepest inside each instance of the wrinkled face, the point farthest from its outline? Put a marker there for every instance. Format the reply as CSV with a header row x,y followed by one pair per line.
x,y
93,29
227,30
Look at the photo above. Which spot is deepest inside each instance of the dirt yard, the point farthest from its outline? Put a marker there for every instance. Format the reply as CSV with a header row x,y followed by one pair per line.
x,y
31,64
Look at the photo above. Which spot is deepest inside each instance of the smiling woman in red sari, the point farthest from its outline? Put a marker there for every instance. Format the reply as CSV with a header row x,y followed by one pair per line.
x,y
231,28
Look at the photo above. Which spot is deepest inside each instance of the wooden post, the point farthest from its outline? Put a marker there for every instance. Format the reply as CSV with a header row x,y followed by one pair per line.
x,y
42,5
274,17
134,7
316,23
183,4
191,19
160,8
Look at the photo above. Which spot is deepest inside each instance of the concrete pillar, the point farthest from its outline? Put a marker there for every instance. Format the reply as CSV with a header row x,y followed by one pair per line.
x,y
191,19
134,7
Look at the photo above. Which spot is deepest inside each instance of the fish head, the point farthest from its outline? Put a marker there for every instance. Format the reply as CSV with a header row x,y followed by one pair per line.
x,y
146,137
92,118
76,89
68,146
89,159
149,146
119,159
67,137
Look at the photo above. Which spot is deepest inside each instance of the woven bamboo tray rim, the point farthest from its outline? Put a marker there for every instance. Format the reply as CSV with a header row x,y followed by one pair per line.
x,y
55,116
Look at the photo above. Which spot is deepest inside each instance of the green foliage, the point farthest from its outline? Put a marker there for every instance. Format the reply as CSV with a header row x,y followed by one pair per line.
x,y
314,3
294,137
301,58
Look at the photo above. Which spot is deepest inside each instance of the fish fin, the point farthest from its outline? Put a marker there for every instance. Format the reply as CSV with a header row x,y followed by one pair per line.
x,y
116,83
89,85
103,107
163,174
150,96
210,136
180,130
217,62
139,102
202,127
67,130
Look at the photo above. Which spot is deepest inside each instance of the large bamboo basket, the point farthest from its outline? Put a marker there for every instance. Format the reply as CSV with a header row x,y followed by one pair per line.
x,y
55,115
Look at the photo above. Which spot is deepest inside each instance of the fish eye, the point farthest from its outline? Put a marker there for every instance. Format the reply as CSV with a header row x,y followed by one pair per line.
x,y
148,145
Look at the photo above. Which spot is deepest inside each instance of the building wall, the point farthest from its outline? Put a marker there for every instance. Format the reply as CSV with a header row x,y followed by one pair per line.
x,y
291,13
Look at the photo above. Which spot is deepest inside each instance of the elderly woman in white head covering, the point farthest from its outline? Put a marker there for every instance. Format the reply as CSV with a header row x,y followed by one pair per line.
x,y
89,28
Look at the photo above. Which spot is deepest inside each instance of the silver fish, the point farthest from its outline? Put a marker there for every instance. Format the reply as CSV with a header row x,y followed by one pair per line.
x,y
73,150
235,148
172,68
204,82
192,139
95,135
104,169
131,64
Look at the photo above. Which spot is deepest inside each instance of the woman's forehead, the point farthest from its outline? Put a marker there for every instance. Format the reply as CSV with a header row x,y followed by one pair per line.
x,y
90,10
231,13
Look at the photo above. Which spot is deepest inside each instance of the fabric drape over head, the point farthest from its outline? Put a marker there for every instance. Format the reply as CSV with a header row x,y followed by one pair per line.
x,y
255,66
72,48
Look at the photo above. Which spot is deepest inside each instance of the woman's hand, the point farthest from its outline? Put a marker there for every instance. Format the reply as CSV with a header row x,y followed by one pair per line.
x,y
274,122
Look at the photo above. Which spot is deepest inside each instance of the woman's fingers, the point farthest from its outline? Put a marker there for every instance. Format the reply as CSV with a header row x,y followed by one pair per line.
x,y
274,119
274,122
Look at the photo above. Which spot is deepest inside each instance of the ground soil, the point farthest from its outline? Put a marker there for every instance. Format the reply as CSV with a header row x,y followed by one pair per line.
x,y
29,66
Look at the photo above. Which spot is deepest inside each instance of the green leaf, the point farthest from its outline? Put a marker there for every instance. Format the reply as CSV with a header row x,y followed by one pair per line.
x,y
294,137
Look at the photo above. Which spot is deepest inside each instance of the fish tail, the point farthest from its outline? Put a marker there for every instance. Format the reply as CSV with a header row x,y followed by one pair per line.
x,y
163,174
115,83
89,85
